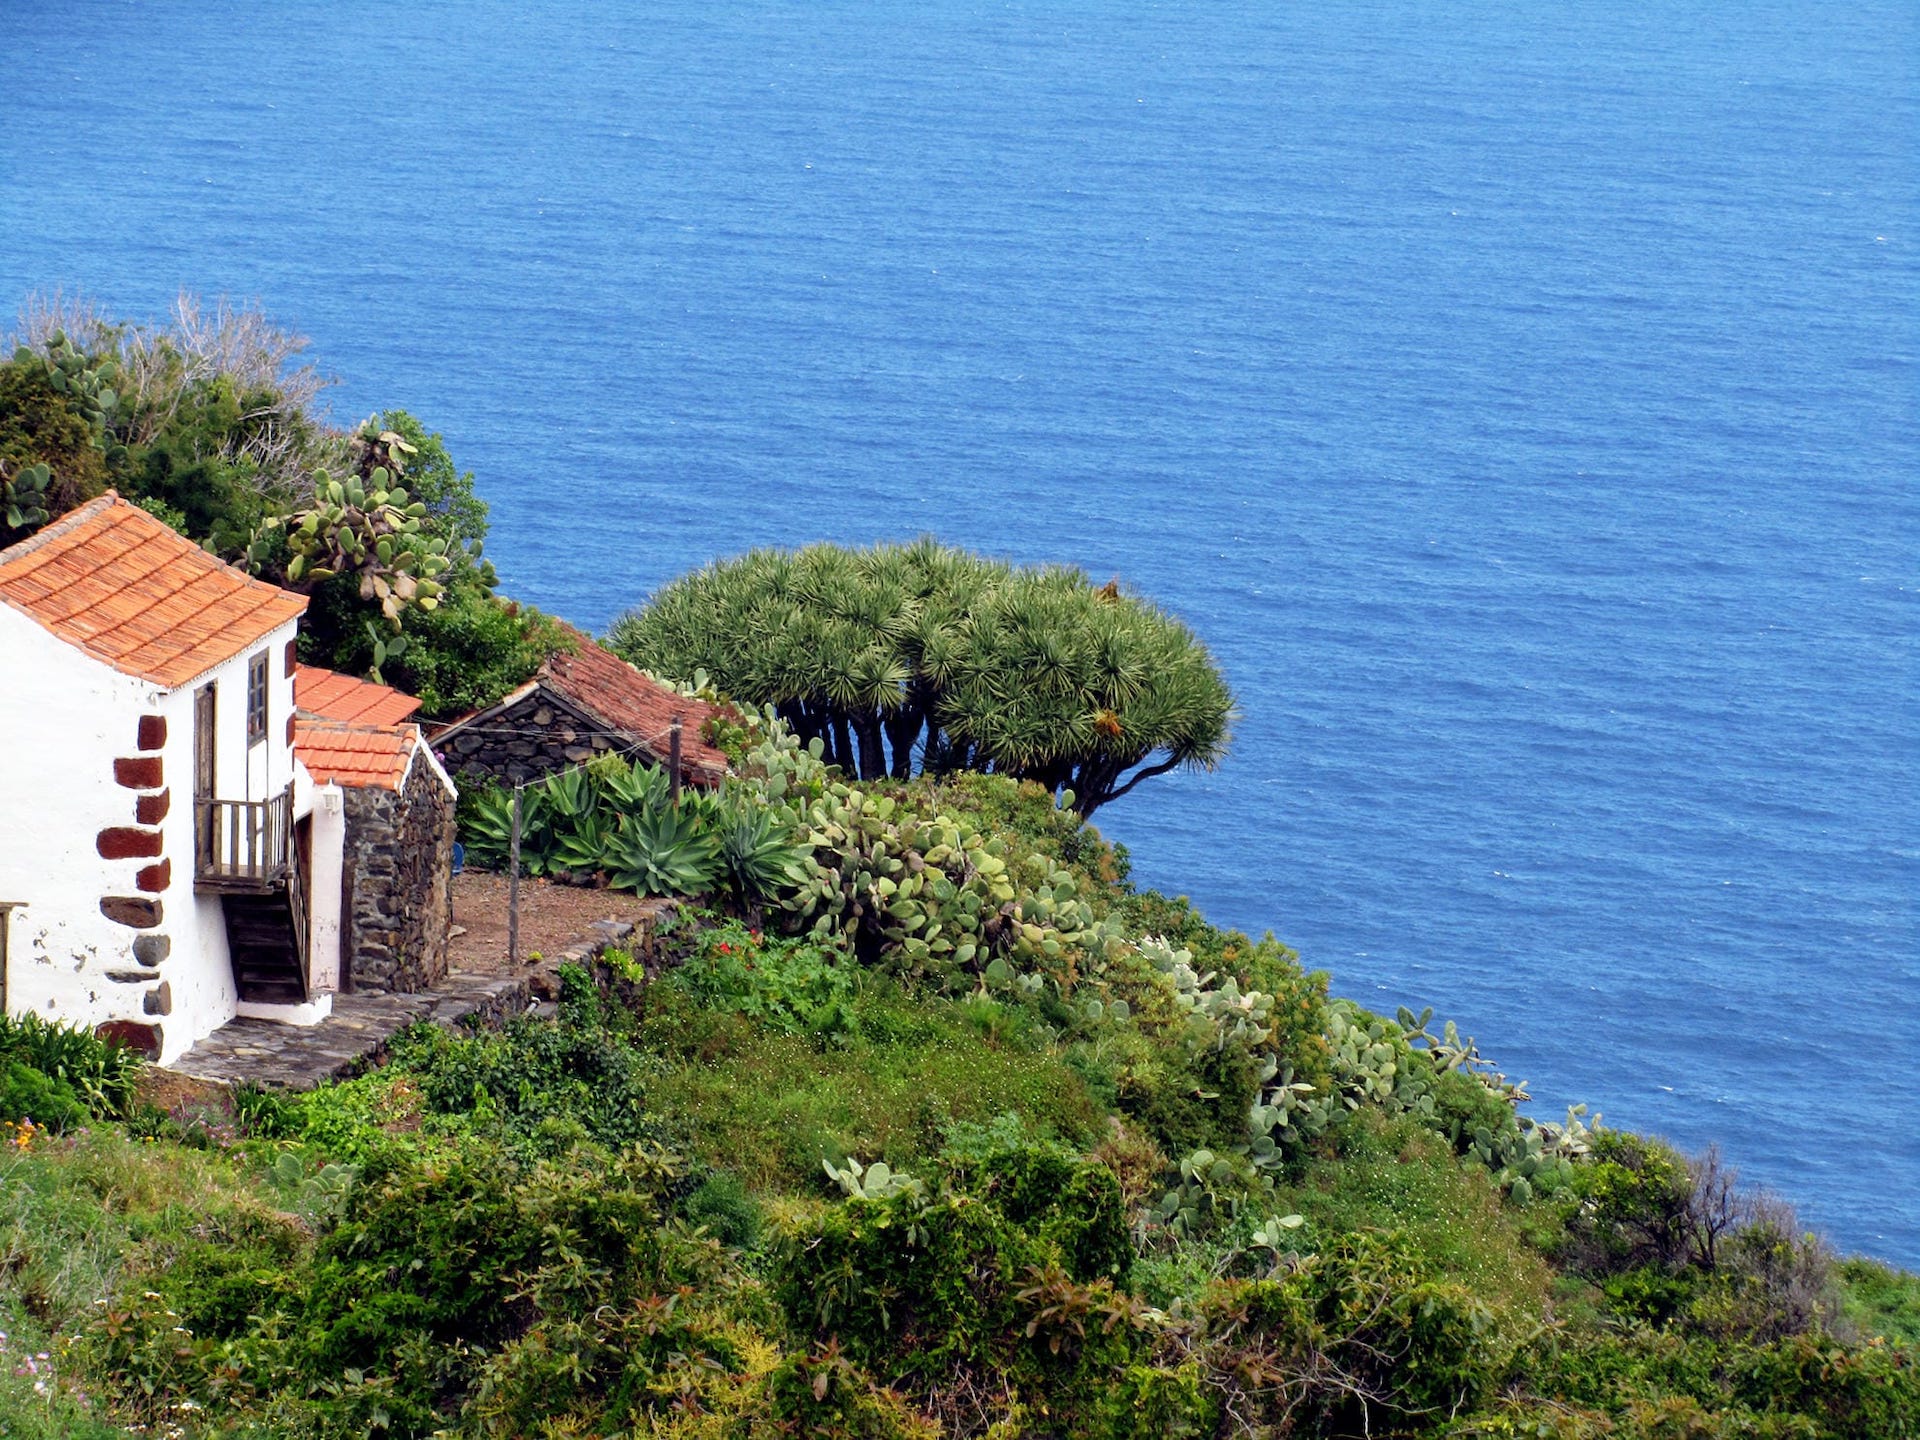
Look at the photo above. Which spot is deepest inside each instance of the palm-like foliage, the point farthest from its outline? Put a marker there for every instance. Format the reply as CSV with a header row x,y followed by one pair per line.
x,y
898,655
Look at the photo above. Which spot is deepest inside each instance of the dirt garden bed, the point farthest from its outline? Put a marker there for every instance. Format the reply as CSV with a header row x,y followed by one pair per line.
x,y
552,917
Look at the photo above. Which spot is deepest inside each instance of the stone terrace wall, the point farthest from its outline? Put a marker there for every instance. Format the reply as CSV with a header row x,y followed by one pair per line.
x,y
526,742
399,898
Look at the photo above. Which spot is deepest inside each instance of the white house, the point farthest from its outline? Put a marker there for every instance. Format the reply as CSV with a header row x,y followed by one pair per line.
x,y
158,833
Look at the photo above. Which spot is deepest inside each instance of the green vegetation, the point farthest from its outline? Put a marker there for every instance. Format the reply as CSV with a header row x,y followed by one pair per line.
x,y
897,652
58,1078
209,422
916,1120
771,1176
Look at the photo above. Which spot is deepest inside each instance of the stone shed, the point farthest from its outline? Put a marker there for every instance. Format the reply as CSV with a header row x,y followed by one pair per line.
x,y
583,702
396,894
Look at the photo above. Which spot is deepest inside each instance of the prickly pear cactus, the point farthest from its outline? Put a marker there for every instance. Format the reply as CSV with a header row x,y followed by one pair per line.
x,y
1213,1188
87,383
1219,1011
938,897
372,529
23,495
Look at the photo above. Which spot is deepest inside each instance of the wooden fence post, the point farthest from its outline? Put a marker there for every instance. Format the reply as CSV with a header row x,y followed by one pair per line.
x,y
673,761
513,882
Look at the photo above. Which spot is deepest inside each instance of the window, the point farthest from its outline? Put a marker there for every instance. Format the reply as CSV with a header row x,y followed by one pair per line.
x,y
257,699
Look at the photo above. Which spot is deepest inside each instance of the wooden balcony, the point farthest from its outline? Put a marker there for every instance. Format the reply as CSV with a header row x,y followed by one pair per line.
x,y
243,847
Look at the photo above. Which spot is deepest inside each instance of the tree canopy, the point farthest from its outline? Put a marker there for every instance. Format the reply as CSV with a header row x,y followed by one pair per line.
x,y
209,422
898,655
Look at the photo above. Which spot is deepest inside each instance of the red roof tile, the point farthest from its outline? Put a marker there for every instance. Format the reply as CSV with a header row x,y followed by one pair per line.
x,y
329,695
358,755
618,696
620,700
115,582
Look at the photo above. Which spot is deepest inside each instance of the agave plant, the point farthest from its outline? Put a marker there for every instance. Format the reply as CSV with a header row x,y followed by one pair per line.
x,y
763,850
581,842
661,850
487,830
628,786
486,827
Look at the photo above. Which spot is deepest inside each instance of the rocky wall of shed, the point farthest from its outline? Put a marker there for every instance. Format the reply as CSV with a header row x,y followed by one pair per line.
x,y
527,742
398,883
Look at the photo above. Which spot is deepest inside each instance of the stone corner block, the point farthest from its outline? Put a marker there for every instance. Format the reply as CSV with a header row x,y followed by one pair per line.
x,y
132,910
139,772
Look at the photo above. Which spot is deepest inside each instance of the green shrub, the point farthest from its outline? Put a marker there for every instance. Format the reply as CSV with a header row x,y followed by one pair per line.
x,y
39,425
508,1083
1633,1213
1356,1339
1010,1277
236,1264
723,1208
795,986
821,1393
464,655
1880,1300
27,1094
772,1106
99,1074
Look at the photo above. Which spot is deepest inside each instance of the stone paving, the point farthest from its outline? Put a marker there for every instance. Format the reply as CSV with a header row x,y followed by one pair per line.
x,y
354,1037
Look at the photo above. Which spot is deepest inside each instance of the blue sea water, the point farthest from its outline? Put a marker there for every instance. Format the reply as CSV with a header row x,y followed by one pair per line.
x,y
1519,399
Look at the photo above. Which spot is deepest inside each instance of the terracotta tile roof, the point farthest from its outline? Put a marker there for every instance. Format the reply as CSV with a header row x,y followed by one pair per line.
x,y
356,755
115,582
618,696
329,695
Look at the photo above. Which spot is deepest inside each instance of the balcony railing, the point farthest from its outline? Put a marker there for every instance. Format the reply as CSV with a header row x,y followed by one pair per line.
x,y
243,844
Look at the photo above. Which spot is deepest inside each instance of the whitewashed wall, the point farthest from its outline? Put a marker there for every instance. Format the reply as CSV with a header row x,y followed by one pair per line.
x,y
329,853
64,719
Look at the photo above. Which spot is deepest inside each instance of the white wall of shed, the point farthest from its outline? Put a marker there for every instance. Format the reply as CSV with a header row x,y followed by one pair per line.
x,y
325,921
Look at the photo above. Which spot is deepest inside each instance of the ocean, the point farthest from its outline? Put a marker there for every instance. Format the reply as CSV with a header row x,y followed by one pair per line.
x,y
1520,400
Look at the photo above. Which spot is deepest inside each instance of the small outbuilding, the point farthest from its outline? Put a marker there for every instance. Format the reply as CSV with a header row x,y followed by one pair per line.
x,y
393,870
583,702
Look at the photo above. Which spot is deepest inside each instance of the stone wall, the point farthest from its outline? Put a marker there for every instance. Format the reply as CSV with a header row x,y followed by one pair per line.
x,y
526,742
399,899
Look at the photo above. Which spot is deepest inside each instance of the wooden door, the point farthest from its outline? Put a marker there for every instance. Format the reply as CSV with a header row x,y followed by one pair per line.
x,y
203,778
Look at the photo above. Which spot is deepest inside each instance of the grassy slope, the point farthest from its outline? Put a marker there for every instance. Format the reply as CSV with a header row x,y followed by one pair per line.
x,y
756,1104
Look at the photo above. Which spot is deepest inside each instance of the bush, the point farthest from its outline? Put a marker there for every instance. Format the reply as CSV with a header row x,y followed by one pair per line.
x,y
725,1210
462,656
27,1094
797,987
513,1084
771,1106
99,1075
1879,1300
1355,1339
40,425
822,1393
1005,1280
